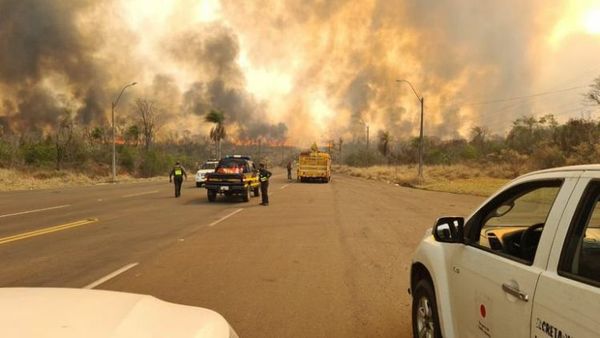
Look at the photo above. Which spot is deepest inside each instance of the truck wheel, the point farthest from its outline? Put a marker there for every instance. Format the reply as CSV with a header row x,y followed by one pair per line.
x,y
246,194
425,320
256,192
212,195
198,184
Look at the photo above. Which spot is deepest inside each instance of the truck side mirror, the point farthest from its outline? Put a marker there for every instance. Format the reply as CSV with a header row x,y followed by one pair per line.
x,y
449,230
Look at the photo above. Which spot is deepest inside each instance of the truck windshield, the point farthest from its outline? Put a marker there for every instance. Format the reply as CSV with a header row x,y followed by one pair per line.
x,y
211,165
232,166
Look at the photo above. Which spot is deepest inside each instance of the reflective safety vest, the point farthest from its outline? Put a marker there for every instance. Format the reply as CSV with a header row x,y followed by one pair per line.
x,y
178,172
263,176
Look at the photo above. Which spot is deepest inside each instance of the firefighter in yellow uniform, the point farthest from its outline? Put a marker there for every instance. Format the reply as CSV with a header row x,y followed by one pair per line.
x,y
177,173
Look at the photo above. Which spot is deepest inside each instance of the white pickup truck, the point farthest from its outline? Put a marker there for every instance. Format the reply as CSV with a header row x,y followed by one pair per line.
x,y
525,264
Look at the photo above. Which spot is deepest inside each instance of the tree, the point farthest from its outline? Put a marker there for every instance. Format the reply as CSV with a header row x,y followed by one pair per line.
x,y
575,132
593,94
384,142
478,143
528,132
98,134
217,132
132,135
149,118
63,138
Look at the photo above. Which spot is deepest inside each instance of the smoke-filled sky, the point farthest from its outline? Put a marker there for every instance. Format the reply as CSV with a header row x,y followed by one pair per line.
x,y
299,70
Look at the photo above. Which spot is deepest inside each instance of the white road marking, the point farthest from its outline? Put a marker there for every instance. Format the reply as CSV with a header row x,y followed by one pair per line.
x,y
283,187
36,210
140,193
110,276
224,218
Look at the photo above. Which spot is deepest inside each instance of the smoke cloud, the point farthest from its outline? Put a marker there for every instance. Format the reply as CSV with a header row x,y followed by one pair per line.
x,y
284,71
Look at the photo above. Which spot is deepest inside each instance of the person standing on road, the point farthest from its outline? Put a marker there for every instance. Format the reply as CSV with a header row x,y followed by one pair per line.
x,y
289,169
263,176
178,173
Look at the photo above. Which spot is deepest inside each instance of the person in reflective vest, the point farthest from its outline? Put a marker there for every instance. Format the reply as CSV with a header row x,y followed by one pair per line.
x,y
177,173
263,176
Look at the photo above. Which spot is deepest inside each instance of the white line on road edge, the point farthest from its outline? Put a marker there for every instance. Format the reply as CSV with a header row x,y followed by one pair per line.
x,y
36,210
110,276
285,186
224,218
141,193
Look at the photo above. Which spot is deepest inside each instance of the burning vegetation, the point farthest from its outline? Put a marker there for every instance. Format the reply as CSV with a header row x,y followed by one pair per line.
x,y
288,73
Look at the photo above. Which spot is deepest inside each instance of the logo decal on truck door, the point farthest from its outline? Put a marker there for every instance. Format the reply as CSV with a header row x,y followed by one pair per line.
x,y
484,315
550,330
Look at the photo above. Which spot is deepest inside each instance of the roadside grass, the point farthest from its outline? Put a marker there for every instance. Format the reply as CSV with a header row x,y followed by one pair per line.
x,y
459,179
13,180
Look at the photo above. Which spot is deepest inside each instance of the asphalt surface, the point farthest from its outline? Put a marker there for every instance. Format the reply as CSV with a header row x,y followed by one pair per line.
x,y
323,260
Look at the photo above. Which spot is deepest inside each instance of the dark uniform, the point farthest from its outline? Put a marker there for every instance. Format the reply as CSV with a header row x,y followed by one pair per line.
x,y
178,173
263,176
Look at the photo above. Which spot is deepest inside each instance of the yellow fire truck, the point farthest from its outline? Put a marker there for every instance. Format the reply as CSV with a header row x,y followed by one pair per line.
x,y
314,165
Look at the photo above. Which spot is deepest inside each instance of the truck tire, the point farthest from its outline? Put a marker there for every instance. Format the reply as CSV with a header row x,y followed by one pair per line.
x,y
425,319
246,194
198,184
256,192
212,195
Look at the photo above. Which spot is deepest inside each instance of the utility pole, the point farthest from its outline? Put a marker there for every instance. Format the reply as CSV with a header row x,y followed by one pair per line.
x,y
367,137
421,100
259,150
367,152
114,151
341,141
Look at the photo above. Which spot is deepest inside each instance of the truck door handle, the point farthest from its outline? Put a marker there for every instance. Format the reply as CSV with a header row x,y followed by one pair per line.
x,y
514,291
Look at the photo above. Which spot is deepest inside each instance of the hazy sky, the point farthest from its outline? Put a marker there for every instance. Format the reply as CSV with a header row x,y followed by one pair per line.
x,y
304,70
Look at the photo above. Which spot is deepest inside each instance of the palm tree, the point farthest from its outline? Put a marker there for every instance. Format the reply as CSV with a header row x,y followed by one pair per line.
x,y
217,133
384,143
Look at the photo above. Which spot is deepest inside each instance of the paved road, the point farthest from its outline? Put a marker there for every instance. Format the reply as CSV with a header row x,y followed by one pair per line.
x,y
323,260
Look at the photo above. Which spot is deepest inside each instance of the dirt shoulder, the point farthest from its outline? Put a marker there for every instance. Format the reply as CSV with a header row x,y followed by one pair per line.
x,y
13,180
459,179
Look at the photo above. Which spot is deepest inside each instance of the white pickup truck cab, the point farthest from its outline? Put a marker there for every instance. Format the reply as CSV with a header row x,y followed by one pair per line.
x,y
525,264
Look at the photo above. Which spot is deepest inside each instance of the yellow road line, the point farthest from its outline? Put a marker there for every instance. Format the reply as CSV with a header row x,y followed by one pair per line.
x,y
48,230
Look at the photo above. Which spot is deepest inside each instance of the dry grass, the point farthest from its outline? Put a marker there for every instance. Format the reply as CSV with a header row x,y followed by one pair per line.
x,y
12,180
461,179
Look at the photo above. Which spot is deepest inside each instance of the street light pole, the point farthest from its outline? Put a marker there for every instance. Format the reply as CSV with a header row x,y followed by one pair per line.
x,y
367,137
421,100
114,152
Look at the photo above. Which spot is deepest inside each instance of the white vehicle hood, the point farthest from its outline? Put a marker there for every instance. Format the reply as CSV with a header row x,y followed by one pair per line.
x,y
205,171
56,312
